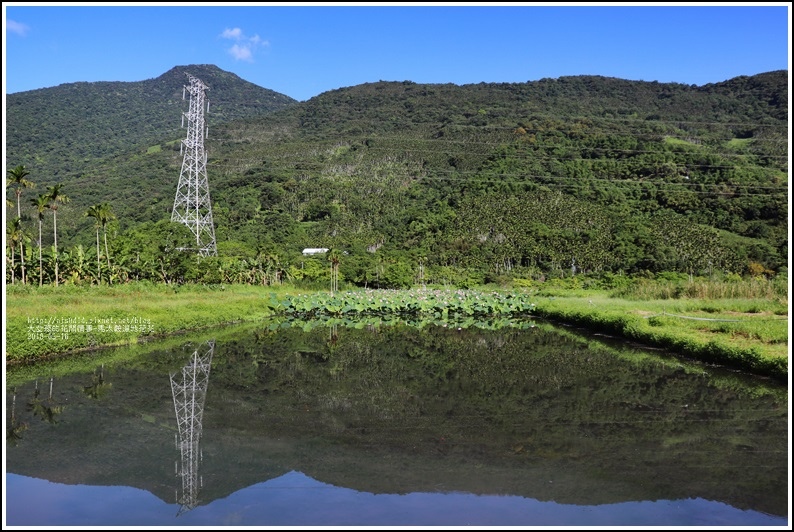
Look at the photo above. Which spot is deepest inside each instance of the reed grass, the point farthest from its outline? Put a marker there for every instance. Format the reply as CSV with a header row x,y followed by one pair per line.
x,y
751,288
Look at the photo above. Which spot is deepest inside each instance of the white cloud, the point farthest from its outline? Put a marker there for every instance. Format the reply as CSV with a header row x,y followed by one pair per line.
x,y
244,47
241,53
17,27
234,33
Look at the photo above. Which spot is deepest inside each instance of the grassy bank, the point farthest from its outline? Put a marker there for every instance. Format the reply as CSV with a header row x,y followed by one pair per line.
x,y
745,333
42,322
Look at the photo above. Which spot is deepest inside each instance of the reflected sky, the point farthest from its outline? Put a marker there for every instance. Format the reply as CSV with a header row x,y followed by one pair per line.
x,y
295,499
386,419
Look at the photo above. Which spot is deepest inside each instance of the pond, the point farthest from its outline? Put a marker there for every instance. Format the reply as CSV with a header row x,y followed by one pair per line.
x,y
392,424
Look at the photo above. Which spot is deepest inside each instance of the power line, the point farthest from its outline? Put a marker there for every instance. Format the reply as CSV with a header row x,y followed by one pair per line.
x,y
519,157
556,118
468,142
582,183
242,165
413,151
694,142
502,145
319,167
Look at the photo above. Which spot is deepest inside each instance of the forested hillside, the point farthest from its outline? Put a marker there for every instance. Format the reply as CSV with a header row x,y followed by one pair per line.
x,y
444,183
56,131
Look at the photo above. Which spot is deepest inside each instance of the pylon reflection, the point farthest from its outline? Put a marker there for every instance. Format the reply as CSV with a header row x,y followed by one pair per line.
x,y
189,396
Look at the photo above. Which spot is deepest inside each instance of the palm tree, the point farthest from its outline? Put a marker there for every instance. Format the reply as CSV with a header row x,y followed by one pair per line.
x,y
14,238
17,177
334,258
55,196
94,211
41,204
105,216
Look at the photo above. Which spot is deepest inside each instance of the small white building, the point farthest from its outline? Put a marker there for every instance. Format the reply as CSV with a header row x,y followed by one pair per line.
x,y
314,251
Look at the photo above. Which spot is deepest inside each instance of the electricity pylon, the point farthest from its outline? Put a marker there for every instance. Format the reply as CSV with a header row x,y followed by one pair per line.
x,y
189,396
192,202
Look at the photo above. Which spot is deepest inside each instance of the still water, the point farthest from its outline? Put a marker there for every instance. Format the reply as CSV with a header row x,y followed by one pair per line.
x,y
321,424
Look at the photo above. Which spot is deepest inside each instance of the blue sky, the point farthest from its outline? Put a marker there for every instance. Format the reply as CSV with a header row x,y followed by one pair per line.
x,y
302,50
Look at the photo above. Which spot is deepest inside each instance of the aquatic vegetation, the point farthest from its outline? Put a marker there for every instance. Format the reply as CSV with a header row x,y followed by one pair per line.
x,y
441,304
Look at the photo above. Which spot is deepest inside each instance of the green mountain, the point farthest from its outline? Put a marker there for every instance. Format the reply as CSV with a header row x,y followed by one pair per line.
x,y
55,131
580,173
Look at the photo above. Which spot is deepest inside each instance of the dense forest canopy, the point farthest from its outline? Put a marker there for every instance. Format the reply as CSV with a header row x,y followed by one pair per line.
x,y
469,184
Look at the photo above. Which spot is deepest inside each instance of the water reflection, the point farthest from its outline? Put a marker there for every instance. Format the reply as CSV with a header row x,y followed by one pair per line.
x,y
190,393
296,500
45,408
14,427
99,386
524,417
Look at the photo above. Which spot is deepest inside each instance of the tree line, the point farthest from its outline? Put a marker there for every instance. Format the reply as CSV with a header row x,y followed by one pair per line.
x,y
487,237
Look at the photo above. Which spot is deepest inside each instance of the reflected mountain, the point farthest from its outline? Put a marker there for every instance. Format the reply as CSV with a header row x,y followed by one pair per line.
x,y
534,413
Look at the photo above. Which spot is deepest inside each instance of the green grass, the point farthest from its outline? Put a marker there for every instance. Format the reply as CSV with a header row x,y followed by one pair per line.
x,y
750,334
41,321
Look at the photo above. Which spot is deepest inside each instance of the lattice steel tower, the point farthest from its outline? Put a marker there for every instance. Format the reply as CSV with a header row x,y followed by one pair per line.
x,y
189,396
192,202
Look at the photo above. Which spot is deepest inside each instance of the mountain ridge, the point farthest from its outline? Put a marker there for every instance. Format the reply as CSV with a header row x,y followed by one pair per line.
x,y
68,123
392,162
